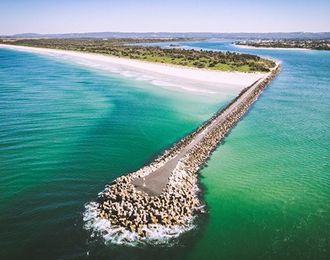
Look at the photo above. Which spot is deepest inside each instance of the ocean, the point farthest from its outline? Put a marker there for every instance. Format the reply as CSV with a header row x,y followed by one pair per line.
x,y
67,129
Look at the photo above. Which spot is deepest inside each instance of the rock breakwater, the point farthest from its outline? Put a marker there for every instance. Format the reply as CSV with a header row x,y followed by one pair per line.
x,y
127,211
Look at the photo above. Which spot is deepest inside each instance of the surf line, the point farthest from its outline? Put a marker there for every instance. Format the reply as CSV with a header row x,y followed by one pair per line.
x,y
163,197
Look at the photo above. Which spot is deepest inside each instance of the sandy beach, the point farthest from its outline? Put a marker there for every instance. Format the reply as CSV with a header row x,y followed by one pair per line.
x,y
193,79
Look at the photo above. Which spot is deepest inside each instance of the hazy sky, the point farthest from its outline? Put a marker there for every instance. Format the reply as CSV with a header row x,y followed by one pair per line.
x,y
61,16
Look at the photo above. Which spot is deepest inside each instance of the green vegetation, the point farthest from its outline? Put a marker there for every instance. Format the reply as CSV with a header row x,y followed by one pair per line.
x,y
224,61
289,43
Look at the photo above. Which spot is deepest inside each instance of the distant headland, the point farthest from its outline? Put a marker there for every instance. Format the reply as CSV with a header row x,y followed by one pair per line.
x,y
313,44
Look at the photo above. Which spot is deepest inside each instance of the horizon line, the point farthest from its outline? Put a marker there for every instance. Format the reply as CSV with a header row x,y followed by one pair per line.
x,y
182,32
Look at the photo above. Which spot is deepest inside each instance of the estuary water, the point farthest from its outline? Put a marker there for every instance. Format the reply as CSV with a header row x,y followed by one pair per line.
x,y
66,130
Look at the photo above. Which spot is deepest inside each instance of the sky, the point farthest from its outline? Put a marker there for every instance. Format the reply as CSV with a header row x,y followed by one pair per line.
x,y
66,16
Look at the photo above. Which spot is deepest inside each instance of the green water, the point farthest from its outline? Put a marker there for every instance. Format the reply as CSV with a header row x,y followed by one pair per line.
x,y
66,131
268,186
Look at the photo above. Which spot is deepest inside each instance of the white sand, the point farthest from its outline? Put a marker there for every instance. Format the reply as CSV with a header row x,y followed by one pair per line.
x,y
190,79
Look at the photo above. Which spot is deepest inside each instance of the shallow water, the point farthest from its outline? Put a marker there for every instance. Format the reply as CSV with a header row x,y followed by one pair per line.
x,y
66,130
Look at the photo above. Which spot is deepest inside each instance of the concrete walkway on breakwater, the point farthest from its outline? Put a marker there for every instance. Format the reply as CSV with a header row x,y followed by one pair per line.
x,y
154,183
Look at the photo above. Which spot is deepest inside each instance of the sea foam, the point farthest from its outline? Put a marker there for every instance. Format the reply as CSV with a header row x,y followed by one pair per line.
x,y
156,234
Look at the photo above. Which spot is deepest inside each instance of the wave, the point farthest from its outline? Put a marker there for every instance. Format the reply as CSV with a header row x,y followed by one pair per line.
x,y
155,234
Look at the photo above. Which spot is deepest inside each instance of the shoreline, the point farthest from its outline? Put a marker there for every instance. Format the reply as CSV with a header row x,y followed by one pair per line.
x,y
169,72
271,48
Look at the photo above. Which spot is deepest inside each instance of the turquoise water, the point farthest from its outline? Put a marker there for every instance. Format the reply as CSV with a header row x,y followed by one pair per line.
x,y
66,131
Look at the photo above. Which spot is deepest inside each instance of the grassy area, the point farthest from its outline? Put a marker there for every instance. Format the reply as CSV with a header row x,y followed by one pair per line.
x,y
224,61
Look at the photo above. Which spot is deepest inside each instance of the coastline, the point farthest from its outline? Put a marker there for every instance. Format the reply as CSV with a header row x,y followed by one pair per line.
x,y
158,215
271,48
169,72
